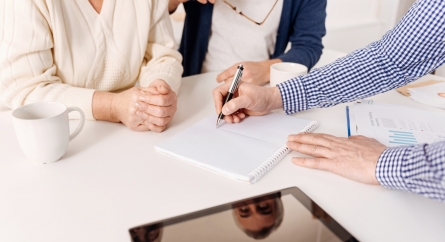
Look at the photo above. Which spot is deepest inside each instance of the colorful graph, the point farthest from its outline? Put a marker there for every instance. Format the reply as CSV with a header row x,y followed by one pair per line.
x,y
402,138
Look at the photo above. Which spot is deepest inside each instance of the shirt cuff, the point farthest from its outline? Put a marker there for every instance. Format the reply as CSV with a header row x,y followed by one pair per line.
x,y
389,171
293,95
81,98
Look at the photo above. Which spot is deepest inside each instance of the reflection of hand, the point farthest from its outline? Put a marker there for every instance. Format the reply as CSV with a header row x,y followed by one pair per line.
x,y
254,72
251,100
157,105
441,94
354,157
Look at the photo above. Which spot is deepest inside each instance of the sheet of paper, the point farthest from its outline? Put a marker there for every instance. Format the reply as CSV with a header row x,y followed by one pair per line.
x,y
272,128
234,150
433,95
404,90
394,126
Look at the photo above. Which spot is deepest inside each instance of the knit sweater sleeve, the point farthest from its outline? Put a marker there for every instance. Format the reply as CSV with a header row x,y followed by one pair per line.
x,y
27,70
162,60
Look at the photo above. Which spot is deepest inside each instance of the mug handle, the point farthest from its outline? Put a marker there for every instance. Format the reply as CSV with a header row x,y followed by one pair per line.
x,y
82,121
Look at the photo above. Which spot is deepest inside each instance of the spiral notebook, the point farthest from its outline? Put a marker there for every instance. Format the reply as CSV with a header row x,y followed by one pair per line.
x,y
244,151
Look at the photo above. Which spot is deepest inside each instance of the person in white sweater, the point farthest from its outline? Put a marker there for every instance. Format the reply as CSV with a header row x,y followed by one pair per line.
x,y
91,54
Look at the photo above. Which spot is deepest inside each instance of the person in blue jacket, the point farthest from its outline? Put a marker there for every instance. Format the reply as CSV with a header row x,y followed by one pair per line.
x,y
219,35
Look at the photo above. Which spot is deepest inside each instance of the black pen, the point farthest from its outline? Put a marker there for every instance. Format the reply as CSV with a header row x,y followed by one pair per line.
x,y
235,83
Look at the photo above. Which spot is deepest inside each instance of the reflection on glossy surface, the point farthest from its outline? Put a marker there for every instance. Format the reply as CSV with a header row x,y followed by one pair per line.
x,y
258,218
248,220
151,233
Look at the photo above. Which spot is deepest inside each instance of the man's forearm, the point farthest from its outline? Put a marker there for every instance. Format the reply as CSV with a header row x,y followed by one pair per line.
x,y
419,169
412,49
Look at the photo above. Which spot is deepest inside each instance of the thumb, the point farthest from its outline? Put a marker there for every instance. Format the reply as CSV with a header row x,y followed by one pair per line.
x,y
162,89
236,104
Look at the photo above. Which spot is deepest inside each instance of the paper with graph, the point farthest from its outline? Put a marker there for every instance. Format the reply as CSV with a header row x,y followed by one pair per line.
x,y
243,151
395,125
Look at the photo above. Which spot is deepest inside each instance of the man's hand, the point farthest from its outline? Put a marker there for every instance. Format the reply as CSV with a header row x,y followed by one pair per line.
x,y
250,99
156,105
254,72
354,157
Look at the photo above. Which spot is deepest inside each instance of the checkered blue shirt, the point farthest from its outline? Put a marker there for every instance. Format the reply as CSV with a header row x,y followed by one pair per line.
x,y
415,47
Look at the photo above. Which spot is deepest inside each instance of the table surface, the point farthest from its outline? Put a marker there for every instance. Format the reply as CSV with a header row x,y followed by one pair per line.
x,y
112,179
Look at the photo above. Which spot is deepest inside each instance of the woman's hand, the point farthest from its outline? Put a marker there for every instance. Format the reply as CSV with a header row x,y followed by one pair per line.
x,y
123,109
355,157
157,105
254,72
140,109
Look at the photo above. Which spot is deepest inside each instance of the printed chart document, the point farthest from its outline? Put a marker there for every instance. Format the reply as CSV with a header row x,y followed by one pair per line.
x,y
243,151
395,125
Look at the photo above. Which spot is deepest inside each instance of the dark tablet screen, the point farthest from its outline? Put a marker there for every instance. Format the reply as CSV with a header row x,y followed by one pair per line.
x,y
286,215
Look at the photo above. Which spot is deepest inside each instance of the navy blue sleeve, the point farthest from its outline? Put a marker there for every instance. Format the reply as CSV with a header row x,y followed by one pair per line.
x,y
307,31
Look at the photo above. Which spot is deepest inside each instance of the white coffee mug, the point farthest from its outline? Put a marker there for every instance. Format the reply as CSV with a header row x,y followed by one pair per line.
x,y
281,72
42,130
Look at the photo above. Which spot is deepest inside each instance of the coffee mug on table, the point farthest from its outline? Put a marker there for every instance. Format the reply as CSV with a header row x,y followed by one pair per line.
x,y
42,130
281,72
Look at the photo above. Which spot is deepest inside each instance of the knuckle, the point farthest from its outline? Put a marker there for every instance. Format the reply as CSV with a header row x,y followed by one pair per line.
x,y
317,162
314,148
162,112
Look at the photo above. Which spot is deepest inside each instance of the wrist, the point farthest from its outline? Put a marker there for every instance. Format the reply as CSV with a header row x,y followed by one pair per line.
x,y
103,108
275,99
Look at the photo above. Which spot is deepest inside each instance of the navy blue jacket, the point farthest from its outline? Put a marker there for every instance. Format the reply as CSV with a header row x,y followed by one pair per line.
x,y
302,23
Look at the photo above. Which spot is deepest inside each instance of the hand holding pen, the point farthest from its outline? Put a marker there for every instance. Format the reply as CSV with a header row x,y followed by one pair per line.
x,y
233,88
249,100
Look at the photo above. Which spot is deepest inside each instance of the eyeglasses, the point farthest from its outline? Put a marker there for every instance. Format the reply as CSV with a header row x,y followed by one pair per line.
x,y
251,20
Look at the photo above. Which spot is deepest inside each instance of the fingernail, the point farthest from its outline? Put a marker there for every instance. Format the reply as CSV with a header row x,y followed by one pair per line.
x,y
141,98
137,105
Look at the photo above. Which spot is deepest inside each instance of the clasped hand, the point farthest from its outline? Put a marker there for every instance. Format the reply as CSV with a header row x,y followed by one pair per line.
x,y
144,109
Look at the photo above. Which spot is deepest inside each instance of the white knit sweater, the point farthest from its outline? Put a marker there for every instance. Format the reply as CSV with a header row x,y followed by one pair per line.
x,y
58,50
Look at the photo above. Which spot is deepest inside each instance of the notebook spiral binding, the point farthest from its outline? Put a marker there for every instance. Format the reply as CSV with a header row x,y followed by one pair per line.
x,y
276,157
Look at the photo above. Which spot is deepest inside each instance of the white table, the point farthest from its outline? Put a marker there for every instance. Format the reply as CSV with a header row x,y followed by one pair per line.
x,y
112,179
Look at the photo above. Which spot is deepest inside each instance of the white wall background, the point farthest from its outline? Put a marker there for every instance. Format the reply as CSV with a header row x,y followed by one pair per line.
x,y
352,24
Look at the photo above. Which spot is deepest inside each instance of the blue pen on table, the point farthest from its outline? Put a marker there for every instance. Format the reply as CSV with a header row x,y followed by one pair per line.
x,y
348,122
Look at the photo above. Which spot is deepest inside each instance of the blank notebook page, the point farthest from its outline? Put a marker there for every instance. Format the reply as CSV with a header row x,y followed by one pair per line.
x,y
234,150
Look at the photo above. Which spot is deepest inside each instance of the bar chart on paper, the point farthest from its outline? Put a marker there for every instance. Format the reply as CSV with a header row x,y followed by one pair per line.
x,y
395,126
402,137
